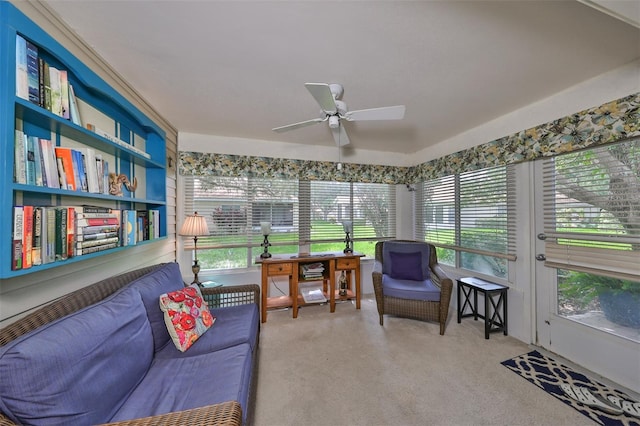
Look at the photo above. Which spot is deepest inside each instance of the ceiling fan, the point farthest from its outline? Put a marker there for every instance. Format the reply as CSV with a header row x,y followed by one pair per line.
x,y
334,110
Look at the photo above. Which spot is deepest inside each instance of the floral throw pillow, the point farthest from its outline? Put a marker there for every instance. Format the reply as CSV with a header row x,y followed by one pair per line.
x,y
186,315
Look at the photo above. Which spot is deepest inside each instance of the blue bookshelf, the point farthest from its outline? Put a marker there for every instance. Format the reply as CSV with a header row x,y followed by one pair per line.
x,y
142,155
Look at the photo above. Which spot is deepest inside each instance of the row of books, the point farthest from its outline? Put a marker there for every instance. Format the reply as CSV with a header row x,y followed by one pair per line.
x,y
312,271
39,162
42,84
47,234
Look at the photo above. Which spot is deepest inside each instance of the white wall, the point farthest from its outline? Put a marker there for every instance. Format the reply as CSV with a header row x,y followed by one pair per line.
x,y
607,87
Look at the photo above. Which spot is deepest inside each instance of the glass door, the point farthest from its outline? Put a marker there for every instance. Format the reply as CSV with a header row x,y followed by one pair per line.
x,y
573,295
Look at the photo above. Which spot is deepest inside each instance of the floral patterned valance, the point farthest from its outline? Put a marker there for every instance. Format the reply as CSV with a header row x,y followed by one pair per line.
x,y
611,122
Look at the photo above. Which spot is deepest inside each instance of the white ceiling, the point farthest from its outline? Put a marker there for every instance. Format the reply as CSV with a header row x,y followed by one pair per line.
x,y
238,68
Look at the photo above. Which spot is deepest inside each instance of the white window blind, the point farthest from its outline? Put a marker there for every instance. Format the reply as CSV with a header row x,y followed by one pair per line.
x,y
235,206
592,210
370,207
472,212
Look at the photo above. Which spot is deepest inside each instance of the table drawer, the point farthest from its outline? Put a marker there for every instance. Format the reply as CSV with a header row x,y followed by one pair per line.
x,y
280,269
346,263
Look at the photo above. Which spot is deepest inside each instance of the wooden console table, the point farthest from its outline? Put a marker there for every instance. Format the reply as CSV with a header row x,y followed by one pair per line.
x,y
290,265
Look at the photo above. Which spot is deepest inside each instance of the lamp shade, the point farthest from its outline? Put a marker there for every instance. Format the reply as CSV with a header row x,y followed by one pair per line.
x,y
347,225
194,226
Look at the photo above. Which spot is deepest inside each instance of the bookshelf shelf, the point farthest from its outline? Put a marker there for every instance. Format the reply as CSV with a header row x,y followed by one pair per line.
x,y
93,117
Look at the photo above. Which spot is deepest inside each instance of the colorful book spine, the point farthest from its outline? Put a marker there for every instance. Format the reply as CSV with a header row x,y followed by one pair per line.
x,y
20,160
61,233
50,219
66,157
36,248
18,230
27,237
96,249
33,73
22,76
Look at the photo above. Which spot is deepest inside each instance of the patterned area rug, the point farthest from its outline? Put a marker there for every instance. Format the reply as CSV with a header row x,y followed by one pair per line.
x,y
602,404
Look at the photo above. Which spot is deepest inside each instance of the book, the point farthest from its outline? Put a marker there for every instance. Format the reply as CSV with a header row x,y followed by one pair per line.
x,y
71,231
62,176
38,160
116,140
97,221
142,217
61,249
56,91
17,247
99,229
86,208
95,249
33,73
49,216
73,107
66,156
129,228
312,295
36,247
64,94
44,85
92,243
50,164
27,237
20,160
79,167
22,76
91,171
80,237
31,161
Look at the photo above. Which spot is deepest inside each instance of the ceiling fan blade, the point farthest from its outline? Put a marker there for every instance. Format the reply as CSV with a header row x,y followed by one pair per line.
x,y
340,135
298,125
384,113
322,94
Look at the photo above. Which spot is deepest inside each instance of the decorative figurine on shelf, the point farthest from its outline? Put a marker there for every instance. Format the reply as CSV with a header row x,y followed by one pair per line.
x,y
348,228
116,181
266,230
343,284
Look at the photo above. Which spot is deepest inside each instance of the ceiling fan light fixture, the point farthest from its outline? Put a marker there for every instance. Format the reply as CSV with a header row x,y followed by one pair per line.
x,y
334,121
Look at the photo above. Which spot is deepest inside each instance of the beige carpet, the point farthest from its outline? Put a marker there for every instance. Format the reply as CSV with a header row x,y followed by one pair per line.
x,y
345,369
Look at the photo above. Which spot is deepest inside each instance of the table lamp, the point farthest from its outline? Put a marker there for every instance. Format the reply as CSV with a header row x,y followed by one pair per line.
x,y
195,226
265,227
347,225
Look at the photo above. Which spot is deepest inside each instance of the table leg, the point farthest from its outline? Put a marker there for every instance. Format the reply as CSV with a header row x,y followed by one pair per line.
x,y
487,315
504,311
460,306
358,285
265,289
293,279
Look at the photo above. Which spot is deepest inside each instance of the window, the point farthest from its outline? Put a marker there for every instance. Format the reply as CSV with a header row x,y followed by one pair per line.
x,y
592,210
470,217
304,216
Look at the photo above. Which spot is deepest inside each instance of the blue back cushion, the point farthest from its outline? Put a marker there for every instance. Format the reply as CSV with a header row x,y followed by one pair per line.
x,y
163,280
79,369
399,265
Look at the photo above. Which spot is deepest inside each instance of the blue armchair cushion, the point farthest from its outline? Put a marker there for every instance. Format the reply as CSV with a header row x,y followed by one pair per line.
x,y
405,247
407,289
406,266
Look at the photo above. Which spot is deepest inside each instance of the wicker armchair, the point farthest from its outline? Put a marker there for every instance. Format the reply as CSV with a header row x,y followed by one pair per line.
x,y
413,308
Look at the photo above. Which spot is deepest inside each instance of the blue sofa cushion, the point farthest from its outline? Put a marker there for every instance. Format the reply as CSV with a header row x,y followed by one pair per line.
x,y
163,280
234,325
405,247
191,382
79,369
409,289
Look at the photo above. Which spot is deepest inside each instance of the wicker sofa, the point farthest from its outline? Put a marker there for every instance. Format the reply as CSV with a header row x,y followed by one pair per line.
x,y
413,307
212,383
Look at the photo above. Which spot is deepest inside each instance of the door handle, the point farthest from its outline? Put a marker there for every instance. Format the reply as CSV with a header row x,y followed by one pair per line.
x,y
541,257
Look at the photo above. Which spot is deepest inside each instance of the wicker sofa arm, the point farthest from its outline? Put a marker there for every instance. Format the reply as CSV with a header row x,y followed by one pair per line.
x,y
223,414
233,295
